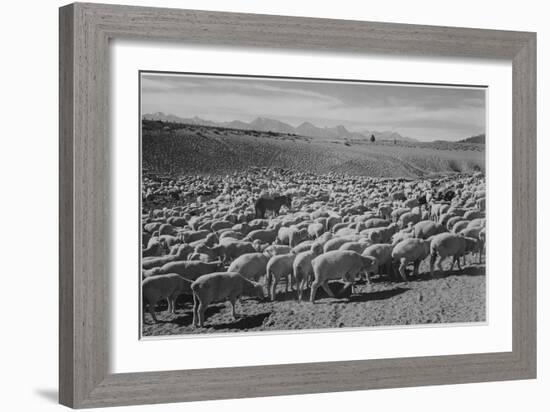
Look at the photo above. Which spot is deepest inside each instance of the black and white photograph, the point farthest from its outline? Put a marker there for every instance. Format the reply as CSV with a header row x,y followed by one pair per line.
x,y
287,204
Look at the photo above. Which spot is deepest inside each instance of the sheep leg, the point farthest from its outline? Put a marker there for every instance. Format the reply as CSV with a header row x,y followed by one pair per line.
x,y
202,310
416,265
152,311
402,267
458,262
299,290
273,287
368,277
314,287
454,259
233,302
480,252
432,262
439,263
326,288
195,310
170,305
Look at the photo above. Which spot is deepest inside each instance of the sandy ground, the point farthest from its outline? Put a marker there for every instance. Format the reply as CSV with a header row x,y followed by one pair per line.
x,y
458,296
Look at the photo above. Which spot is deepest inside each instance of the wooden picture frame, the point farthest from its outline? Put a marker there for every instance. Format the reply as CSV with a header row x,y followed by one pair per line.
x,y
85,31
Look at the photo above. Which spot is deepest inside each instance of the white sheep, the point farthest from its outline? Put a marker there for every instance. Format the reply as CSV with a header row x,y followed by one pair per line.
x,y
450,244
250,265
278,266
410,250
381,252
221,286
189,269
303,270
338,264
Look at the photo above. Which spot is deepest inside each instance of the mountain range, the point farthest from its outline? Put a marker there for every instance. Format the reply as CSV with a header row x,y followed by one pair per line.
x,y
271,125
480,138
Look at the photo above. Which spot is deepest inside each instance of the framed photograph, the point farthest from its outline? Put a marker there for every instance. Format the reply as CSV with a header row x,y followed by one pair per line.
x,y
256,205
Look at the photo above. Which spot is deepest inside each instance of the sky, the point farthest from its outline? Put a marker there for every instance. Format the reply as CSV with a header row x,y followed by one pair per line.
x,y
422,112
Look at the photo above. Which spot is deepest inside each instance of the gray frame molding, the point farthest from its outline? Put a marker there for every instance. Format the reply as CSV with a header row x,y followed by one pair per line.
x,y
85,31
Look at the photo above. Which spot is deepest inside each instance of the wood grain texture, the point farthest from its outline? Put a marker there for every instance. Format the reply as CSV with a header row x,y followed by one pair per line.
x,y
85,31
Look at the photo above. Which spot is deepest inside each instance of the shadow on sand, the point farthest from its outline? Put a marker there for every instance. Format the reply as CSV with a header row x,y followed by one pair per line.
x,y
378,295
466,271
243,322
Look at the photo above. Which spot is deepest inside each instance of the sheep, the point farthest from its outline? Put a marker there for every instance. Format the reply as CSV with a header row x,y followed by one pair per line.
x,y
401,235
176,249
203,257
157,248
190,269
478,222
265,235
473,214
232,249
339,226
167,229
344,264
375,222
273,250
221,224
152,227
302,269
334,244
208,251
331,221
250,265
450,244
410,250
220,286
358,246
346,231
445,217
408,218
398,196
438,209
176,221
230,234
410,203
243,228
381,234
277,267
458,226
297,236
452,221
291,235
168,286
304,246
181,254
385,210
190,236
427,228
396,214
381,252
475,233
315,229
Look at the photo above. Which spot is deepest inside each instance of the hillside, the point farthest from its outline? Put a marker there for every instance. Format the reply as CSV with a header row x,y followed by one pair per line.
x,y
187,148
479,139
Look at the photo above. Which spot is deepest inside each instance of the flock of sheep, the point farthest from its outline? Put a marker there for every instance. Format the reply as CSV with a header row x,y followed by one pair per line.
x,y
221,235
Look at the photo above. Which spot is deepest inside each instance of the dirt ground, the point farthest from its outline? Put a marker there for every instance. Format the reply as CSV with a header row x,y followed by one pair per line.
x,y
458,296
